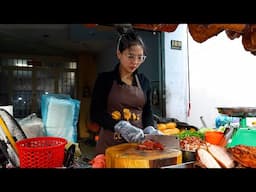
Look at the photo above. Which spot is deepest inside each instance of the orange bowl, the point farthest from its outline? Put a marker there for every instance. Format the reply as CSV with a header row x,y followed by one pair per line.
x,y
214,137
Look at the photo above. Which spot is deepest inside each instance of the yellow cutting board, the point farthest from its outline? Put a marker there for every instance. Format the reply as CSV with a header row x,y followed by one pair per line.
x,y
127,156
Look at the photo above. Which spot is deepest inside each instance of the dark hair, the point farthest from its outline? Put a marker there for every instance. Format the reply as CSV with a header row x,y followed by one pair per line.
x,y
128,38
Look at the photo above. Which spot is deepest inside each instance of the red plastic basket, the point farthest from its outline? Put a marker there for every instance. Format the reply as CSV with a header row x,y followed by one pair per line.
x,y
41,152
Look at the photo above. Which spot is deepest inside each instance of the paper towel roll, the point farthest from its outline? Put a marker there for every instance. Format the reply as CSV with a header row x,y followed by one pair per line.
x,y
8,108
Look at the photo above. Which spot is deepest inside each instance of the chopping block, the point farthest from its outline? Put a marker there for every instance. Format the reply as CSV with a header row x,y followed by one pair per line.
x,y
127,155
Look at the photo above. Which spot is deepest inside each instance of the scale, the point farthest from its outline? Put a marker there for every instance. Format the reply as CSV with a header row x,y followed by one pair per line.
x,y
241,112
243,134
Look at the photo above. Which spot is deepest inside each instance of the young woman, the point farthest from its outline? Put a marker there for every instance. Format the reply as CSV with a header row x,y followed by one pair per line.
x,y
121,100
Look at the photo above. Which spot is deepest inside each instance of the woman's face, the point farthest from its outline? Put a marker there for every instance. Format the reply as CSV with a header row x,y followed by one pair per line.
x,y
131,59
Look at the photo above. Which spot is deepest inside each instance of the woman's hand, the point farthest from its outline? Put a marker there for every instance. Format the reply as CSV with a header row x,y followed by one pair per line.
x,y
152,131
129,132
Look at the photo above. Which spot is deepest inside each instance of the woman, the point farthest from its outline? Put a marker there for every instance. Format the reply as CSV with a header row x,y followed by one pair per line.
x,y
121,100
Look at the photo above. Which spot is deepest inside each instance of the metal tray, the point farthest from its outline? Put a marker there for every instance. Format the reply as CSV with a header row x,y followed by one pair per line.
x,y
182,165
238,111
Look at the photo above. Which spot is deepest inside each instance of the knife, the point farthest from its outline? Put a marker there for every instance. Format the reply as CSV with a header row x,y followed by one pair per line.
x,y
169,141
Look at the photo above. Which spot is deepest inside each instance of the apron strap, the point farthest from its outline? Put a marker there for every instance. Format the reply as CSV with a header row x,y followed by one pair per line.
x,y
137,81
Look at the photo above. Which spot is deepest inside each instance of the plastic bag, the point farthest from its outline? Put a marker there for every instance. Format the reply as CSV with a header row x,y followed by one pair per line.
x,y
60,116
32,126
45,98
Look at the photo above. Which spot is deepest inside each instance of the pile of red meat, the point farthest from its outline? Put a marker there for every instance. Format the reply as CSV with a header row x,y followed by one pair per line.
x,y
150,145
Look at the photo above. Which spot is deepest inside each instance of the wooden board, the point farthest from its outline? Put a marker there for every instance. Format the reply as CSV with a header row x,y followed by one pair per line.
x,y
127,156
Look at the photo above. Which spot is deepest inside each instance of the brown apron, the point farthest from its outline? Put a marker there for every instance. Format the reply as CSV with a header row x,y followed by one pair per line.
x,y
122,97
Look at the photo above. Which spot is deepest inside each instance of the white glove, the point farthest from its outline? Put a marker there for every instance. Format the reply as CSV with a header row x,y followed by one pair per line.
x,y
129,132
152,131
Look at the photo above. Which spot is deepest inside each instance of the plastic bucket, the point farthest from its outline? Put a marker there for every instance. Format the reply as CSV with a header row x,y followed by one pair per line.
x,y
41,152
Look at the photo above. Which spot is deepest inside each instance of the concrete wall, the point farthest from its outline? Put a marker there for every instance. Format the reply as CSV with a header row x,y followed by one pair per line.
x,y
176,74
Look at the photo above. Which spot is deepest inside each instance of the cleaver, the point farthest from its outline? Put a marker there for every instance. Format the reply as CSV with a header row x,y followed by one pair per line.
x,y
169,141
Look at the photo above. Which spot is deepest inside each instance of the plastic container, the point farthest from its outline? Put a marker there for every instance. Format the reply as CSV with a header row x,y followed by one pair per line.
x,y
41,152
188,156
214,137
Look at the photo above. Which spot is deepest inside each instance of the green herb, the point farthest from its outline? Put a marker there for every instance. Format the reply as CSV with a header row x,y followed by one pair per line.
x,y
188,133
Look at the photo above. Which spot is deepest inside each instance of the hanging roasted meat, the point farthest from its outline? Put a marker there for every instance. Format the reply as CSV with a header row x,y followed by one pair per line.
x,y
249,38
239,28
232,34
202,32
157,27
234,31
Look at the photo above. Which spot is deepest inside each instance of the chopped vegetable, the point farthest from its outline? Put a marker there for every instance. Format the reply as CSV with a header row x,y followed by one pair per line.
x,y
189,133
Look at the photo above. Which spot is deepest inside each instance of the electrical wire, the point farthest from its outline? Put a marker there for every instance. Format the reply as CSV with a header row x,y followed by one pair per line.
x,y
189,96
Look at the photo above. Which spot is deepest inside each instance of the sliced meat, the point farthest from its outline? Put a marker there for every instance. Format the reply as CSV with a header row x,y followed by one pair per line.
x,y
206,159
221,155
150,145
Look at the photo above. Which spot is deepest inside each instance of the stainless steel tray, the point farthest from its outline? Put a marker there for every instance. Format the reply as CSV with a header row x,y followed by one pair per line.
x,y
238,111
182,165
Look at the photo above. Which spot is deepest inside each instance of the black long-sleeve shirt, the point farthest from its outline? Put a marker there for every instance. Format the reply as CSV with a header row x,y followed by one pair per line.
x,y
102,87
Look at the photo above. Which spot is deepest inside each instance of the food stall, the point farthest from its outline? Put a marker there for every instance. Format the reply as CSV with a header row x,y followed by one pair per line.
x,y
229,146
190,146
